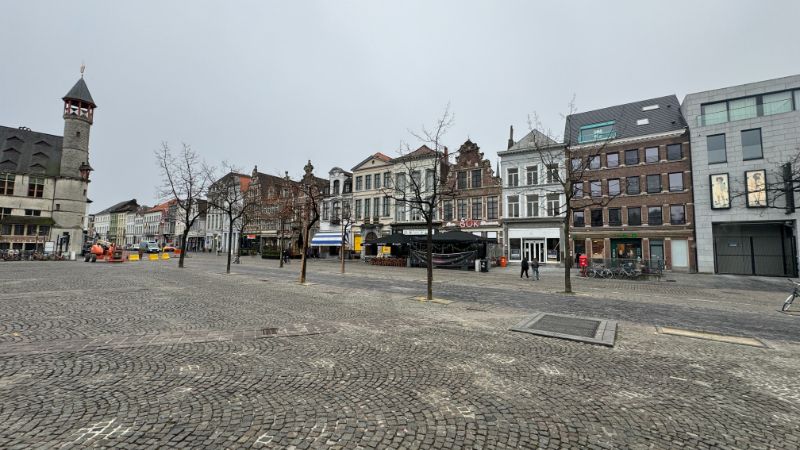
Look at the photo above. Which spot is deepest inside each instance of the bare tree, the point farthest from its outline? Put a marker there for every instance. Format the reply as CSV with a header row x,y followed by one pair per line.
x,y
567,168
309,201
229,195
347,222
421,195
184,179
769,189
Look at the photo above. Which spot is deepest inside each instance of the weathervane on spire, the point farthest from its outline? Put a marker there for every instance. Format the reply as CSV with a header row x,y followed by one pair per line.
x,y
83,67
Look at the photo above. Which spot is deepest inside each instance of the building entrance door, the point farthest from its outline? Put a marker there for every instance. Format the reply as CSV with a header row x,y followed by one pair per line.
x,y
535,250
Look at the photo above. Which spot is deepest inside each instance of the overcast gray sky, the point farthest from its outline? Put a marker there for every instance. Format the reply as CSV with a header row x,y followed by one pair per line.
x,y
278,83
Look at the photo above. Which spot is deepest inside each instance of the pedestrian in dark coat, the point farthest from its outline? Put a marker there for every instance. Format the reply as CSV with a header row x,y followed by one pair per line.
x,y
535,266
524,267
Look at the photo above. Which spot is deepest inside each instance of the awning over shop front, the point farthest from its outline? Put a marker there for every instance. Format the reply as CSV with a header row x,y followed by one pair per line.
x,y
327,239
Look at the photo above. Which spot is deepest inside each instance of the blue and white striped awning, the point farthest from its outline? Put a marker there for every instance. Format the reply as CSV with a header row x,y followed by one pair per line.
x,y
327,239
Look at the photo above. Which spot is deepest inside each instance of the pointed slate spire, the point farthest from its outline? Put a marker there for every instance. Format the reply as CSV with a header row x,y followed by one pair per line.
x,y
80,92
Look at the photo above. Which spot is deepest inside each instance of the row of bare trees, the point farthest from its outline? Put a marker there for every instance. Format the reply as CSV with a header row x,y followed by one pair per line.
x,y
188,181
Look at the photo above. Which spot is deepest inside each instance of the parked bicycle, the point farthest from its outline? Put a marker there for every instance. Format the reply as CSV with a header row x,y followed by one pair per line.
x,y
790,299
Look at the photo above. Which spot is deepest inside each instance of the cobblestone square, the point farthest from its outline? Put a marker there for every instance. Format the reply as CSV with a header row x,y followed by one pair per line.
x,y
146,355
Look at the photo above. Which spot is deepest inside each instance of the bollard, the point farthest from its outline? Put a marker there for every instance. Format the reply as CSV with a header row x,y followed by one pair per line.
x,y
165,256
133,257
153,257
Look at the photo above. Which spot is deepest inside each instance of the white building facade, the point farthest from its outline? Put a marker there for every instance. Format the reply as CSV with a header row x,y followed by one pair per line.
x,y
533,199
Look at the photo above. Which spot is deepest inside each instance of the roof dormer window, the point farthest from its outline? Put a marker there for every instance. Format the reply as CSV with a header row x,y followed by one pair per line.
x,y
597,132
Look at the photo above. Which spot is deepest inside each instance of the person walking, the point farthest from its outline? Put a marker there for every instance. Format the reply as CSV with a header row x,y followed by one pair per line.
x,y
524,267
535,266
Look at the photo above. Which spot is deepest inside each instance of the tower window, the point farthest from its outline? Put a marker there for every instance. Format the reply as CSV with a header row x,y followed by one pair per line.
x,y
78,133
7,183
36,187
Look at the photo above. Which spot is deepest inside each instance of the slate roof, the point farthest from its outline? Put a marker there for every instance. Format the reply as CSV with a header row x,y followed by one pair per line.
x,y
533,139
124,206
80,92
26,151
667,117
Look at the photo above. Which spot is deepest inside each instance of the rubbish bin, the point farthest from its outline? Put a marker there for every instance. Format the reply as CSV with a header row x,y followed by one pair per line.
x,y
477,265
484,265
503,261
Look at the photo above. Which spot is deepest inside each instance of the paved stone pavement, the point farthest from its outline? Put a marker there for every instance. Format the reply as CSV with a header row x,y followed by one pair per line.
x,y
146,355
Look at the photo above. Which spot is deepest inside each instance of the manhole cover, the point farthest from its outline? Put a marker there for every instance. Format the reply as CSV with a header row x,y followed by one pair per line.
x,y
583,329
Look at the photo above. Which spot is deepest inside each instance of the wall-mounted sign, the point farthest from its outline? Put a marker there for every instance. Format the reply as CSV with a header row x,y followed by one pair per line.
x,y
720,191
414,232
756,188
251,236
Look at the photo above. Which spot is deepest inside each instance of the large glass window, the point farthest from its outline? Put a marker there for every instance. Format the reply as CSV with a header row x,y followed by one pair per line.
x,y
597,217
400,182
676,182
7,183
367,182
614,217
677,215
634,216
674,152
553,205
35,187
461,180
513,177
612,160
715,113
751,144
577,164
335,187
613,186
596,132
716,149
596,188
743,108
632,186
654,215
416,180
366,209
651,155
387,179
358,209
476,178
631,157
377,181
532,205
7,212
513,206
376,207
386,206
477,208
515,249
491,208
654,183
359,183
326,210
779,102
532,175
594,162
578,219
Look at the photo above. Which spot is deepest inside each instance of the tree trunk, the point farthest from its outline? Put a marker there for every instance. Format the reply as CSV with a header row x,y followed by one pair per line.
x,y
280,245
230,239
429,255
183,247
341,247
306,230
567,257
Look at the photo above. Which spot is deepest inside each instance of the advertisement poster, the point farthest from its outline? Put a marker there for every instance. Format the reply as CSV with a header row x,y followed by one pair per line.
x,y
720,191
756,188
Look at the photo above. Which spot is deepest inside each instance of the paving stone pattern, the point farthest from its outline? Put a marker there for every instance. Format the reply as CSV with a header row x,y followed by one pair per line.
x,y
150,356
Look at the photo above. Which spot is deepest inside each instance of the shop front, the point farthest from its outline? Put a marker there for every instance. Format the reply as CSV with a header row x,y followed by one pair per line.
x,y
657,249
540,244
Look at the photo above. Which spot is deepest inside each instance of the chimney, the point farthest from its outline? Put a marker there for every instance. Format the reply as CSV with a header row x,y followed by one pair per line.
x,y
446,154
511,136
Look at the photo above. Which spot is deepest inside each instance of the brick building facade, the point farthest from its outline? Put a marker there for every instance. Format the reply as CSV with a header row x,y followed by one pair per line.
x,y
634,198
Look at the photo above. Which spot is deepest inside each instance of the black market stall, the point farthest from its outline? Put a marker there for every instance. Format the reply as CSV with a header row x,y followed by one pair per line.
x,y
453,249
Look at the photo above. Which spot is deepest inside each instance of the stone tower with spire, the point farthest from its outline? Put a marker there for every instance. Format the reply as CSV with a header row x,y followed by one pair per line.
x,y
70,193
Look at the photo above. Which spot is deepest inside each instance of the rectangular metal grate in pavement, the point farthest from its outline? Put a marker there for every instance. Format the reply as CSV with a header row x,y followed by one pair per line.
x,y
582,329
567,325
